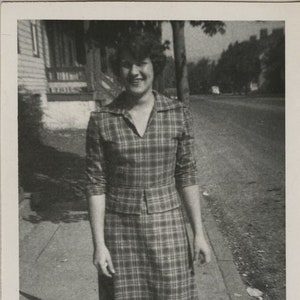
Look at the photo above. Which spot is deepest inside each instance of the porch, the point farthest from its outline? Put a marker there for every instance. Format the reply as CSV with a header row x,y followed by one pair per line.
x,y
79,78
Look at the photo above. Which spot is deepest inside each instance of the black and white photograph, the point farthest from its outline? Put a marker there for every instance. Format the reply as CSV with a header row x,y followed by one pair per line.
x,y
151,157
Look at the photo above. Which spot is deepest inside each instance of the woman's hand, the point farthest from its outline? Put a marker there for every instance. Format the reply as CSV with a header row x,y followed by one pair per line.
x,y
201,250
102,261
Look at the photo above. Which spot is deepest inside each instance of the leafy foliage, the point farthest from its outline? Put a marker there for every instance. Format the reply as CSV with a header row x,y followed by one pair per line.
x,y
238,66
29,118
274,63
29,131
210,27
261,61
108,33
201,76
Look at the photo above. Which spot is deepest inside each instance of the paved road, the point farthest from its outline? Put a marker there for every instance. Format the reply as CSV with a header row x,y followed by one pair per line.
x,y
241,148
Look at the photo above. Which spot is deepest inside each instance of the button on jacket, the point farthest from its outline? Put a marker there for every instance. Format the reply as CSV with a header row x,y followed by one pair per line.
x,y
131,169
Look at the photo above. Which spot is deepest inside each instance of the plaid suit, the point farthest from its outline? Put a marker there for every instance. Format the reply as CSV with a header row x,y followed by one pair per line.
x,y
144,227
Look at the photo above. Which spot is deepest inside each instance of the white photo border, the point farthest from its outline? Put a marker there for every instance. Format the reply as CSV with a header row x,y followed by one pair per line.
x,y
230,11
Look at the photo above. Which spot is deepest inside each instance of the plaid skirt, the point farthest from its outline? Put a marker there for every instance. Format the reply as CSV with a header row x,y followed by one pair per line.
x,y
151,257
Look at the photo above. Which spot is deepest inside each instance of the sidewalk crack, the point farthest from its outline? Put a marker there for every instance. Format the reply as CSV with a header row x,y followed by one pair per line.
x,y
44,248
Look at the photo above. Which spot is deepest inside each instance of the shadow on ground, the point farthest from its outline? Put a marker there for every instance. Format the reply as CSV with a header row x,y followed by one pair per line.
x,y
30,297
53,182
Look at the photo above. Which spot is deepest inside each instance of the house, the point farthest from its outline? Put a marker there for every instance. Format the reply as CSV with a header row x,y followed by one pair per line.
x,y
68,70
253,86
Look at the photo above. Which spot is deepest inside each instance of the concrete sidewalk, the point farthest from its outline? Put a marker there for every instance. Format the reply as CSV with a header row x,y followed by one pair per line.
x,y
56,260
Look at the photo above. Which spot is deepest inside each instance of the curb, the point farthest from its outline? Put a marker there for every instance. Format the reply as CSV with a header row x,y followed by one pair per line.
x,y
235,287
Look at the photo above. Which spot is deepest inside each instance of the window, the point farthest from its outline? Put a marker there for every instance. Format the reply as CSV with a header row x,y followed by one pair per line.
x,y
34,37
18,44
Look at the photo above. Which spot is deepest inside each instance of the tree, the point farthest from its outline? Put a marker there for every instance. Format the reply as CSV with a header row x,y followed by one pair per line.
x,y
274,64
169,73
108,33
208,27
238,66
180,61
201,76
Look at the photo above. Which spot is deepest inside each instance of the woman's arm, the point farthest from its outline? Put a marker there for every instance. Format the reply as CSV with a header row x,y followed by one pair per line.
x,y
102,259
190,195
186,177
95,192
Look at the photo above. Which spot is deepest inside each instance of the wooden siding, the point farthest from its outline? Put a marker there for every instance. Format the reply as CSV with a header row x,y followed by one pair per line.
x,y
31,69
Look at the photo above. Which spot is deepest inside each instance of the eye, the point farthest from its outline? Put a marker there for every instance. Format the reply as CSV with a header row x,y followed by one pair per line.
x,y
143,63
125,64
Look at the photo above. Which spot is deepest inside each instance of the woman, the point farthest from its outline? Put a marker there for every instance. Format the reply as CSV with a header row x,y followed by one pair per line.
x,y
139,160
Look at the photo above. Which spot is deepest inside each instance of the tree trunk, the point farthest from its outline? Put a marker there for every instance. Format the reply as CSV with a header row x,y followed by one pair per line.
x,y
159,80
182,84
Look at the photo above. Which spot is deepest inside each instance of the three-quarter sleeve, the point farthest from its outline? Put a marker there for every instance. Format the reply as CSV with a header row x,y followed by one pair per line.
x,y
95,162
186,166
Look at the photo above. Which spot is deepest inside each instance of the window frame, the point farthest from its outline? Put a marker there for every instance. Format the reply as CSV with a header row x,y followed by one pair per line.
x,y
18,44
34,38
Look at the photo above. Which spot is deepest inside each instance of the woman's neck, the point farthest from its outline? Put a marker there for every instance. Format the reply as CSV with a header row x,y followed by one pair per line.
x,y
144,101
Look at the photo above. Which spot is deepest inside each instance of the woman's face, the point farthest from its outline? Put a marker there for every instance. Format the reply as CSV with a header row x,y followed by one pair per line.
x,y
137,75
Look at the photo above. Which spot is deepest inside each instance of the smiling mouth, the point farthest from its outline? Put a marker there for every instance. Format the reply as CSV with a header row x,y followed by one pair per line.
x,y
135,81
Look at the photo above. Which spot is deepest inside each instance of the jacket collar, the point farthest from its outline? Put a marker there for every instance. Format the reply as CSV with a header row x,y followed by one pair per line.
x,y
162,103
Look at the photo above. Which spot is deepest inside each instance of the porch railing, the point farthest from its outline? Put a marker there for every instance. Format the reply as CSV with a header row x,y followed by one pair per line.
x,y
73,80
58,74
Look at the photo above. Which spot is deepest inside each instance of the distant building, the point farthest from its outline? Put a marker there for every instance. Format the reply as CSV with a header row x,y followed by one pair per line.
x,y
68,70
171,93
253,86
215,90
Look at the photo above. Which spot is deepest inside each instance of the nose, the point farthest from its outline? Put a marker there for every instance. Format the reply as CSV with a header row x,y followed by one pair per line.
x,y
134,69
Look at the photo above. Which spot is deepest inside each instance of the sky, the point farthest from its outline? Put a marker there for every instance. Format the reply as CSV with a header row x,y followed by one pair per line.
x,y
199,45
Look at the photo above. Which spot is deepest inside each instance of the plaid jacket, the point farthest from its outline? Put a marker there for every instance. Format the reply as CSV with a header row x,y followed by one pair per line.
x,y
129,168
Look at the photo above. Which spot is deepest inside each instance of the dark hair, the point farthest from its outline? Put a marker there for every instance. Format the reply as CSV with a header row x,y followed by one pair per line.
x,y
141,45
